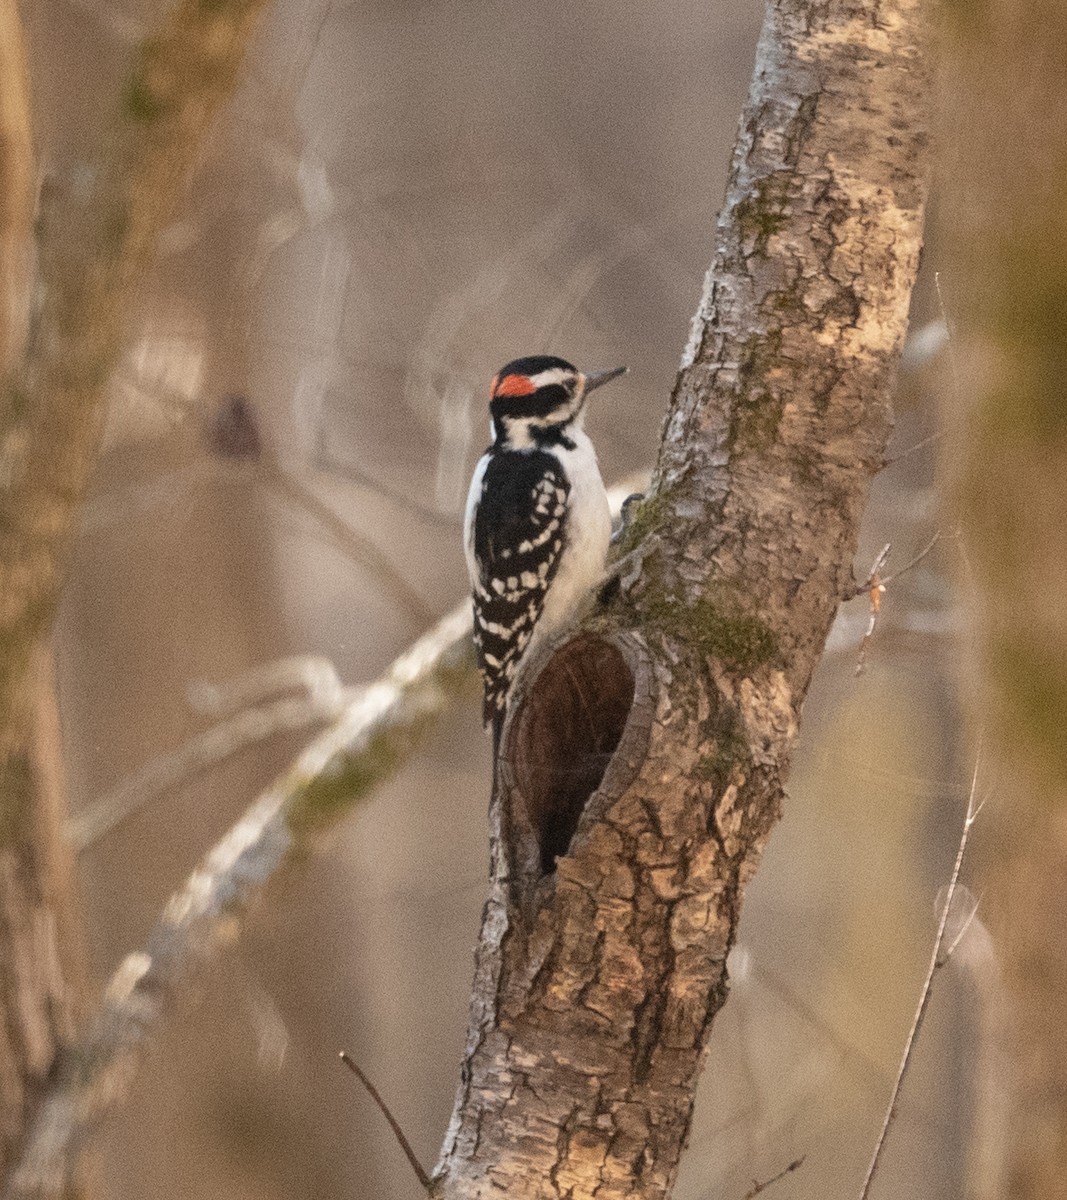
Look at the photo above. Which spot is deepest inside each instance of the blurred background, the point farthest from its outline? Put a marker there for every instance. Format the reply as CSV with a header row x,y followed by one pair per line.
x,y
402,197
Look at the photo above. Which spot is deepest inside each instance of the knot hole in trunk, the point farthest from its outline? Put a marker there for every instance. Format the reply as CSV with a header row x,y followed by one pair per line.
x,y
563,736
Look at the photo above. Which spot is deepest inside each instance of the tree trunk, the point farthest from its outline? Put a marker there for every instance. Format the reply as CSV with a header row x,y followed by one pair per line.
x,y
642,766
1005,178
95,242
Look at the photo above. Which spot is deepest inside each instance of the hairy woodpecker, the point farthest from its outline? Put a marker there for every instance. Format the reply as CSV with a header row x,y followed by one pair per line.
x,y
537,525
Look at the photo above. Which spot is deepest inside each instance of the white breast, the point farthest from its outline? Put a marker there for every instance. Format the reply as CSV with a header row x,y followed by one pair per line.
x,y
588,536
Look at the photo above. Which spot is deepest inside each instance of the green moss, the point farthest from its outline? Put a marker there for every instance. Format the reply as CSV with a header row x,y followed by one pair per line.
x,y
732,636
645,516
346,781
755,419
717,625
757,411
730,753
762,213
786,302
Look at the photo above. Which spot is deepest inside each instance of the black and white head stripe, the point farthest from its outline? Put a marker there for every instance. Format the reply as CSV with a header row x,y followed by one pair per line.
x,y
518,538
529,374
537,389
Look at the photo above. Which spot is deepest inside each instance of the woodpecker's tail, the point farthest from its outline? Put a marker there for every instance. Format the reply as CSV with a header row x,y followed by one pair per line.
x,y
498,729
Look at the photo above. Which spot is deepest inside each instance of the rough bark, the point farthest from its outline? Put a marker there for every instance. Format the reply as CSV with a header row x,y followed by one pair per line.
x,y
642,768
1005,286
95,242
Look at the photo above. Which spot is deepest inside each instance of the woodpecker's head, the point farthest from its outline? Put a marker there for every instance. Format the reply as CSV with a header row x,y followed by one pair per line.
x,y
533,400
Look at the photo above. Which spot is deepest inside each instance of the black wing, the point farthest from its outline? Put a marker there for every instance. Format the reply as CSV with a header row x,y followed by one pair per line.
x,y
518,540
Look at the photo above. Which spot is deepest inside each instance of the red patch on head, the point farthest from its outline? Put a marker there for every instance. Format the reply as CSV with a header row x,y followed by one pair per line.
x,y
513,385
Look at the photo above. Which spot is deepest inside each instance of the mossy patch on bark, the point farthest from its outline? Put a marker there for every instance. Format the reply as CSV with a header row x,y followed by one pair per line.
x,y
717,625
764,210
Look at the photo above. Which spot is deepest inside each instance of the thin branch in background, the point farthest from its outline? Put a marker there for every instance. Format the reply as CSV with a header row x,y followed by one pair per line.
x,y
357,546
967,921
863,1068
331,465
937,961
936,436
950,335
913,562
249,720
233,433
758,1187
874,587
310,675
394,1125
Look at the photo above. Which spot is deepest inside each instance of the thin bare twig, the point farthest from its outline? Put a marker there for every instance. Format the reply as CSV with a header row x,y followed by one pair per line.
x,y
874,587
394,1125
875,576
968,922
356,544
921,444
937,960
950,340
758,1187
198,755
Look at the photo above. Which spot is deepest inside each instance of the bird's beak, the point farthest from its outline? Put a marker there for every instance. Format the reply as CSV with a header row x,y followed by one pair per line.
x,y
596,378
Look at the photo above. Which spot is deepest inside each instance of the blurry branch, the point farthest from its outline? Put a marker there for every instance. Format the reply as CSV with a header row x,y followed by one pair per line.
x,y
255,721
358,547
372,737
874,587
233,433
863,1068
325,461
316,677
16,184
98,234
938,957
432,354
